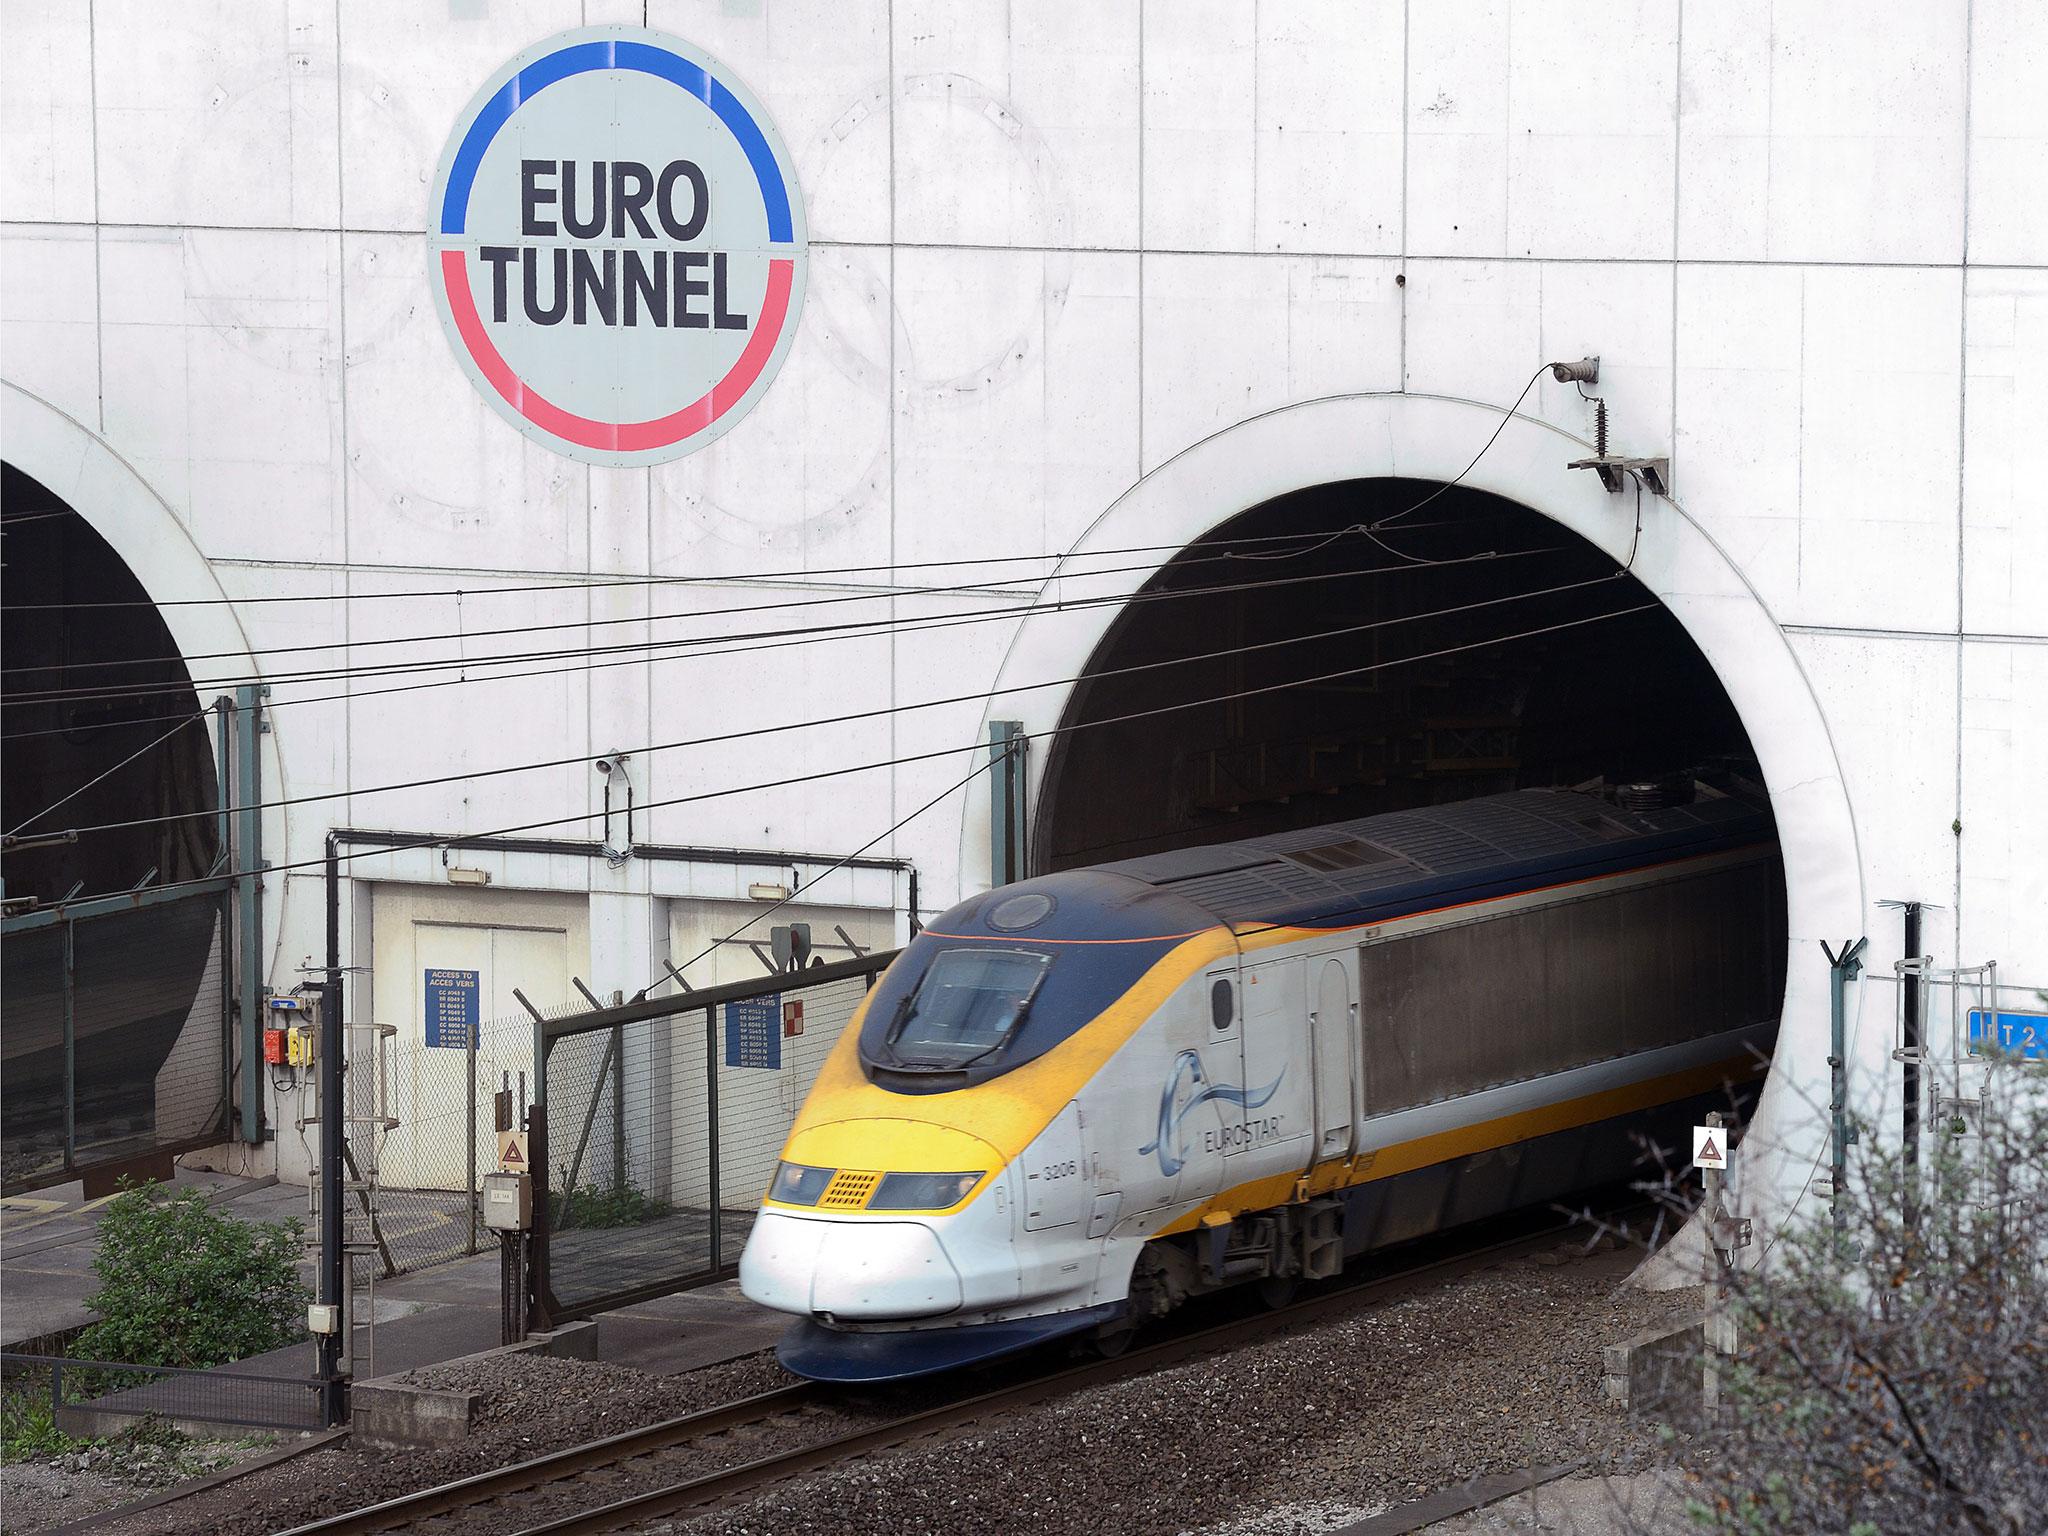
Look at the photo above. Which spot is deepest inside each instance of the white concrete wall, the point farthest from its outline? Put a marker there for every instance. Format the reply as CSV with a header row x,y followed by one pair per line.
x,y
1054,247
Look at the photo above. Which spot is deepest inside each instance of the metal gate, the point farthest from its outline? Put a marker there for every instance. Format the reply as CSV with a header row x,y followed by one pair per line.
x,y
117,1041
656,1126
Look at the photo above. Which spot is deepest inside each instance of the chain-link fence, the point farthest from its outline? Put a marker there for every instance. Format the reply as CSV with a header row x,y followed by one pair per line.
x,y
422,1133
659,1123
117,1038
97,1397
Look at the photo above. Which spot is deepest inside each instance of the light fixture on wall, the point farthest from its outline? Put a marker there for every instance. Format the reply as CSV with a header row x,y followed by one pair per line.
x,y
767,890
460,876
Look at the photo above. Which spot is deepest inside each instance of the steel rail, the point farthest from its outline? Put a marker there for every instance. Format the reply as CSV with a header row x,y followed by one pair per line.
x,y
469,1493
723,1486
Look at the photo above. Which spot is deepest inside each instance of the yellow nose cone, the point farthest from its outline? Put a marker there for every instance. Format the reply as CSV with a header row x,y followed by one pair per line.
x,y
891,1146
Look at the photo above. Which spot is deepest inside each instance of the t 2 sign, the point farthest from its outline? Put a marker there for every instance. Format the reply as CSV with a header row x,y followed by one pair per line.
x,y
618,246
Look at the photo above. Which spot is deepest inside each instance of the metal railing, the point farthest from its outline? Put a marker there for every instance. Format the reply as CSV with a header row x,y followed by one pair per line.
x,y
656,1126
222,1395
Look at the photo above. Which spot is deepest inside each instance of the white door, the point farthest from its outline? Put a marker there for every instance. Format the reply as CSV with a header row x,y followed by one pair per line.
x,y
1332,1027
1278,1093
457,982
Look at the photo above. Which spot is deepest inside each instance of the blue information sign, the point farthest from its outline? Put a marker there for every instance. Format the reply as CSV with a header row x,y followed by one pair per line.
x,y
2021,1034
753,1032
451,1009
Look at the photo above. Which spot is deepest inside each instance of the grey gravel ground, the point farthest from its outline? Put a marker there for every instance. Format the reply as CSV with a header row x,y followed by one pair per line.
x,y
35,1495
56,1490
531,1405
1493,1372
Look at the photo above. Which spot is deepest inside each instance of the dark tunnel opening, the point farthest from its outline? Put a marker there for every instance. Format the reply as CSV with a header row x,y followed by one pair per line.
x,y
83,691
115,1033
1496,666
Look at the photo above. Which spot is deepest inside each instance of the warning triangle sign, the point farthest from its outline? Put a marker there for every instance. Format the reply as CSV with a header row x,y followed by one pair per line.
x,y
512,1151
1709,1147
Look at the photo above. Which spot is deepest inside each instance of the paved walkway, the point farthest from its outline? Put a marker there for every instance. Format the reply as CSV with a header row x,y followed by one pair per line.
x,y
48,1239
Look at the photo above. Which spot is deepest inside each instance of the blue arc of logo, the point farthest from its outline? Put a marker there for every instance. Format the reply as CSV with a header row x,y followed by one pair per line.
x,y
1187,1070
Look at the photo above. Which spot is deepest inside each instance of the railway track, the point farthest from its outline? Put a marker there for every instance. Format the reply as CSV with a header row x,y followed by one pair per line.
x,y
599,1470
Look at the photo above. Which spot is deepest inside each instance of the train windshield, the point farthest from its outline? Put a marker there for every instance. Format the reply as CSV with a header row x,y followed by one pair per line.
x,y
968,1003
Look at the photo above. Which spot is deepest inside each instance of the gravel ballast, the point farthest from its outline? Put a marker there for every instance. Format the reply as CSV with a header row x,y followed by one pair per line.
x,y
531,1405
1493,1371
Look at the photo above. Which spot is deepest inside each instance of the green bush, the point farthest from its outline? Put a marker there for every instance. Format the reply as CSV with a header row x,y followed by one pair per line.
x,y
182,1285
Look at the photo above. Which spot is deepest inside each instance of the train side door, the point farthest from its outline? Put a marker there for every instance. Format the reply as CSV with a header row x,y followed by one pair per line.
x,y
1333,1027
1278,1094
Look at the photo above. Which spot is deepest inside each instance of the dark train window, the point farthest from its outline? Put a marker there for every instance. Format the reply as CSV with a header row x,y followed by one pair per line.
x,y
1222,1002
969,1003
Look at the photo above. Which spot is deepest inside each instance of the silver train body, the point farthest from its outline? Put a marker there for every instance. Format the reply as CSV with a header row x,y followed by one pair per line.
x,y
1074,1102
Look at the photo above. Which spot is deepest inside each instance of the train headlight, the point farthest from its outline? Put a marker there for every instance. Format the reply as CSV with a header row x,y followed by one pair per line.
x,y
922,1191
798,1184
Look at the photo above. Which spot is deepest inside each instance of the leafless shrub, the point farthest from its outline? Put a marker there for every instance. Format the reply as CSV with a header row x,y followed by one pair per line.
x,y
1891,1372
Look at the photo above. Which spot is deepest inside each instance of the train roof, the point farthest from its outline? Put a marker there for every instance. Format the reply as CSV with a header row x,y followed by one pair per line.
x,y
1346,870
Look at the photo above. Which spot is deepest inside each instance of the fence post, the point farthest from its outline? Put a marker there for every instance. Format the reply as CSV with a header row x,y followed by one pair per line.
x,y
249,697
711,1134
1006,741
223,778
471,1202
70,1047
331,1287
618,1107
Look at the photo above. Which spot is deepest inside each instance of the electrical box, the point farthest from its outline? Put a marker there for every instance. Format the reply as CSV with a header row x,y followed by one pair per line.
x,y
323,1317
508,1202
288,1029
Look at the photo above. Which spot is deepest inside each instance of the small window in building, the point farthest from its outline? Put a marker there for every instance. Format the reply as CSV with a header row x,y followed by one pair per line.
x,y
1344,853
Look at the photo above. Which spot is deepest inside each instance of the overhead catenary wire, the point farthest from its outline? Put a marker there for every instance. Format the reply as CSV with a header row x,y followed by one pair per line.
x,y
573,584
1499,427
872,595
1311,543
437,840
688,646
104,774
1370,530
853,717
827,872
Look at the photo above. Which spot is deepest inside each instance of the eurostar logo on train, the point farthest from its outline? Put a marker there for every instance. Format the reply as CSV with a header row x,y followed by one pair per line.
x,y
618,246
1187,1090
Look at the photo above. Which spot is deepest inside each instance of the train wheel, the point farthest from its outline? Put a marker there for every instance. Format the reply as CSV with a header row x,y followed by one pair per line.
x,y
1106,1346
1277,1291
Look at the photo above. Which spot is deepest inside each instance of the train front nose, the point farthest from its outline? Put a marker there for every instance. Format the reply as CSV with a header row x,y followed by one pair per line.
x,y
926,1235
849,1271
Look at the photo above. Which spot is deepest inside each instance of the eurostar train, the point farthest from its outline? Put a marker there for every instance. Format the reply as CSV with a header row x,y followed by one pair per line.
x,y
1076,1101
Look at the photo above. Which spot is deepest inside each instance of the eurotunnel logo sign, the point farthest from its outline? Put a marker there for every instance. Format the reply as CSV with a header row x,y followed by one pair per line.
x,y
617,246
